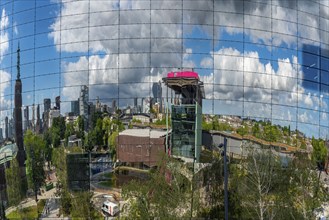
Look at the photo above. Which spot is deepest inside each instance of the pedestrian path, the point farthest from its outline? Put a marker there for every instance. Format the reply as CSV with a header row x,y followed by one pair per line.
x,y
24,204
51,209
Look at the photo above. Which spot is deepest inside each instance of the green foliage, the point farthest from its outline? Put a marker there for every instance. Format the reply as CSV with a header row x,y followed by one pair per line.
x,y
48,148
25,213
243,130
163,121
136,120
207,126
256,183
94,119
106,126
88,141
65,200
55,136
265,188
68,132
215,125
271,133
59,126
35,148
79,127
158,196
222,126
320,152
113,143
14,184
286,131
302,144
82,207
59,161
256,130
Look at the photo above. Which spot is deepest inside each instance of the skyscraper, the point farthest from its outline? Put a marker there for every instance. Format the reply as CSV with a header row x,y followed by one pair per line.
x,y
157,94
1,136
46,104
83,104
58,102
21,155
6,128
26,118
33,117
135,102
75,107
114,105
38,124
45,114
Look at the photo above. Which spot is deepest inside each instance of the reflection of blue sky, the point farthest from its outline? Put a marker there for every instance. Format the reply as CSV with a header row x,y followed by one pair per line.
x,y
198,51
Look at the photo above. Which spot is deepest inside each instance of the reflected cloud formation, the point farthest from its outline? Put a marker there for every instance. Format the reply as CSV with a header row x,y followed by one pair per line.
x,y
249,54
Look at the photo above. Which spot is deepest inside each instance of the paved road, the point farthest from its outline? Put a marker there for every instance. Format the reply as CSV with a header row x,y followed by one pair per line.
x,y
51,210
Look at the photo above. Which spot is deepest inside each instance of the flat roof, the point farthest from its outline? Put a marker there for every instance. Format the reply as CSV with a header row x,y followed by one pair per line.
x,y
144,133
7,151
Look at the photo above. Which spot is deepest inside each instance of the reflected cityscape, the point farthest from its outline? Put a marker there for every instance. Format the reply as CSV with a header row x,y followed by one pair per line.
x,y
186,105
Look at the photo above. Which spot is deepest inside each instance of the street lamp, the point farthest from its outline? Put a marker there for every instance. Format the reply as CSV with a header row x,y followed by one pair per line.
x,y
225,177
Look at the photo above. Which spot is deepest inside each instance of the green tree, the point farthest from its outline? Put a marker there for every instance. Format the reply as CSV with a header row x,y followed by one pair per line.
x,y
272,133
304,191
256,183
243,130
161,195
59,126
113,143
320,152
206,126
82,206
14,184
59,161
79,127
68,132
35,147
48,149
99,133
256,130
90,140
55,136
106,126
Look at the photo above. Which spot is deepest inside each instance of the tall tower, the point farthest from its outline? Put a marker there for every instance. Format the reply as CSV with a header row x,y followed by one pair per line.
x,y
26,118
84,105
157,94
38,124
6,128
21,155
46,104
58,102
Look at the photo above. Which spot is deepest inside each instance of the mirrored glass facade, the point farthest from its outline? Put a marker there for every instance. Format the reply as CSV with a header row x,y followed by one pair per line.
x,y
258,60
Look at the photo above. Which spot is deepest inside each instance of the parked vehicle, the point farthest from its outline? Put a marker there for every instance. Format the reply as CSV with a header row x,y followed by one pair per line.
x,y
110,208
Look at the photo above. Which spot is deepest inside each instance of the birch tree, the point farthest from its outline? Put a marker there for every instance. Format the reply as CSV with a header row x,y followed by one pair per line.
x,y
257,182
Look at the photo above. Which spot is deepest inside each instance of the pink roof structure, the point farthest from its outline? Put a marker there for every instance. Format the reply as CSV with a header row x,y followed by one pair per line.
x,y
183,74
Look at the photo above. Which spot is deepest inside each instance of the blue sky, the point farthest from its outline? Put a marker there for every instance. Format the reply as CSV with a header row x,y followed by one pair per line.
x,y
270,65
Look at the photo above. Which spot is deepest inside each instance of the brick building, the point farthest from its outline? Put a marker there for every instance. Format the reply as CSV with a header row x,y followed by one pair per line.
x,y
141,146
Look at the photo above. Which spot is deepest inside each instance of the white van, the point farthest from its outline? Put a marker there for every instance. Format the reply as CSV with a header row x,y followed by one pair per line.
x,y
110,208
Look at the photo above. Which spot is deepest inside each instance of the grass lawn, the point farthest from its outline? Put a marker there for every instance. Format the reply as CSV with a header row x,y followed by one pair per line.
x,y
28,213
41,205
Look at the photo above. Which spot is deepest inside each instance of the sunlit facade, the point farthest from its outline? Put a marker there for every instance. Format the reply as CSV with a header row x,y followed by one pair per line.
x,y
262,60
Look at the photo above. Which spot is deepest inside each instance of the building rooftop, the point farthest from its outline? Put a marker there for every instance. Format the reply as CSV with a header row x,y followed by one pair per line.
x,y
144,133
7,152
